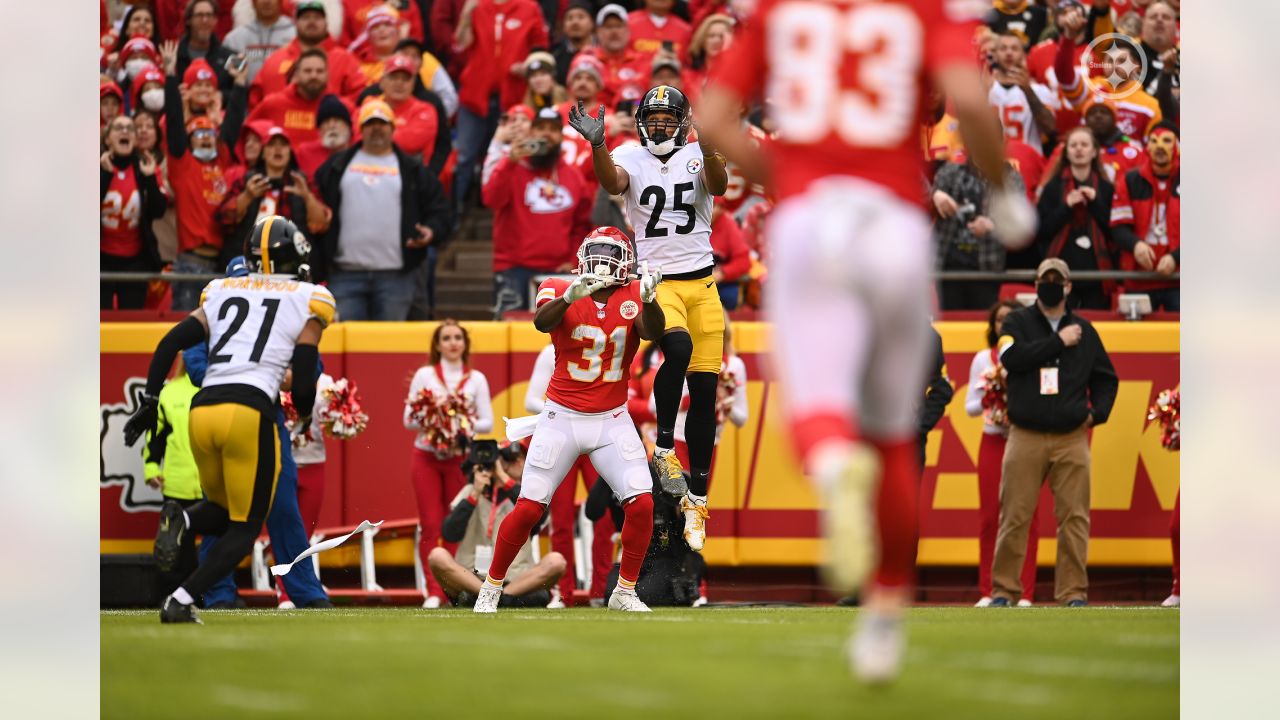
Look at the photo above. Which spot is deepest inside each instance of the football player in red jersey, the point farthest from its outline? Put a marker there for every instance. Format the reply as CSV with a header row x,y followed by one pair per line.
x,y
849,277
596,324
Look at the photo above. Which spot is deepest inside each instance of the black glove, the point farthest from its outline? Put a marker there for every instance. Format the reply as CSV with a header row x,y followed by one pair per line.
x,y
142,421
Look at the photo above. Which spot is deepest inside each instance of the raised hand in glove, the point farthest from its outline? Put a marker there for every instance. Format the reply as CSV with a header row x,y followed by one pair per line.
x,y
142,421
591,128
649,283
581,287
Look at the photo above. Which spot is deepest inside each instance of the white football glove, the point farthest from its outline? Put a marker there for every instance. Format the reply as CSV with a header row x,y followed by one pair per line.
x,y
582,286
649,283
1013,216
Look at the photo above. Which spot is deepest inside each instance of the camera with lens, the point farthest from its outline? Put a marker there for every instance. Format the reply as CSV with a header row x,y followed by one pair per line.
x,y
537,146
483,453
966,212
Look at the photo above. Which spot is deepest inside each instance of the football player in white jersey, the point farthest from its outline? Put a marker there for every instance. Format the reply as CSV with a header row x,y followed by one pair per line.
x,y
257,327
668,184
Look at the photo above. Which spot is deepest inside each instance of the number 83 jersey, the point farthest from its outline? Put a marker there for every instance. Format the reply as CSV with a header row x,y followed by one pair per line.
x,y
254,322
594,347
668,207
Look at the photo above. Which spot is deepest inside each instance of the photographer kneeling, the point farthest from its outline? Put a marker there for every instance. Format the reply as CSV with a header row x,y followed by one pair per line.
x,y
671,572
474,518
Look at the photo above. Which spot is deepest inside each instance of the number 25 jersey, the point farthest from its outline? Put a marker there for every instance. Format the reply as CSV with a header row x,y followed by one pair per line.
x,y
254,322
669,208
594,347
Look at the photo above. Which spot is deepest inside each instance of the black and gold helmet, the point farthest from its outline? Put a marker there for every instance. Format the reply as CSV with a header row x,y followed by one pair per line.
x,y
275,246
663,99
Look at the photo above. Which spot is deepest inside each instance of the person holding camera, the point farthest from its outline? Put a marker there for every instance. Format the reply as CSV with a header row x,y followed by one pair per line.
x,y
540,204
1060,384
964,235
473,521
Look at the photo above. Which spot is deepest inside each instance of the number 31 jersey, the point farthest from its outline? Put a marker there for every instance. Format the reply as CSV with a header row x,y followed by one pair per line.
x,y
594,347
254,322
848,82
669,208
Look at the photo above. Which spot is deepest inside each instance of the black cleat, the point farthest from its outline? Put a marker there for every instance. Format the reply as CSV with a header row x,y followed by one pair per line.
x,y
173,526
173,611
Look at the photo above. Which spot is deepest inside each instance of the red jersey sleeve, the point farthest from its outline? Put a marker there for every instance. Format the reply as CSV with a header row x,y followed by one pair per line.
x,y
742,67
550,289
950,27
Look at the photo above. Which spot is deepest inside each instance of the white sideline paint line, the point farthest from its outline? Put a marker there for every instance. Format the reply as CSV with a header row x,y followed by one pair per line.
x,y
257,700
1054,666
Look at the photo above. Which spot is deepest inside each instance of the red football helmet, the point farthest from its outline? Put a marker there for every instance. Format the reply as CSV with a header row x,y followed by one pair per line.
x,y
606,253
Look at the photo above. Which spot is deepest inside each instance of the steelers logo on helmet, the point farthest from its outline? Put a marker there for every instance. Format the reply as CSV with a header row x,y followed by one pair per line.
x,y
663,119
606,254
275,246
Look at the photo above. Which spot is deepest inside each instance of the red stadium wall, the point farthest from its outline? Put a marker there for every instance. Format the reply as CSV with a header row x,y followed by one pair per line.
x,y
763,509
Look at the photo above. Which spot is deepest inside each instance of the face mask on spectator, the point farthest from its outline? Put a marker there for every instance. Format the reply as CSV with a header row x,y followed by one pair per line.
x,y
135,66
153,100
335,138
1050,293
205,154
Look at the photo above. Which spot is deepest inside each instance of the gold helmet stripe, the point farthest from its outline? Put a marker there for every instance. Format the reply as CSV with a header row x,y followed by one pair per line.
x,y
662,93
264,242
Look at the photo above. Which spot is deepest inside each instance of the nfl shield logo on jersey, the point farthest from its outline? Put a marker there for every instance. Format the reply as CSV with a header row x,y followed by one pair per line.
x,y
629,310
694,166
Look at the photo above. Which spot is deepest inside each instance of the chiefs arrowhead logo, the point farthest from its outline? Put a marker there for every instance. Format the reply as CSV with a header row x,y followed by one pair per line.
x,y
121,465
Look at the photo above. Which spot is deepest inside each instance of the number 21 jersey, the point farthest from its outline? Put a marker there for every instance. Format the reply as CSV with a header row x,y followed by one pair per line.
x,y
594,347
254,322
847,81
669,208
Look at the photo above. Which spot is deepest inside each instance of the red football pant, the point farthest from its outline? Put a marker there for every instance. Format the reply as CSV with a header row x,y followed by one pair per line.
x,y
990,457
435,483
897,511
637,530
563,518
1175,537
310,495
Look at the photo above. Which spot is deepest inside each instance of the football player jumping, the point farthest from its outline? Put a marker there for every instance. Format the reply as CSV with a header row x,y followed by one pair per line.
x,y
596,324
851,256
668,186
258,326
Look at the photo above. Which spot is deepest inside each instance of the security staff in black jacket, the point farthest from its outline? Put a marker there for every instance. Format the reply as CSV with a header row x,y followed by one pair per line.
x,y
937,394
1061,383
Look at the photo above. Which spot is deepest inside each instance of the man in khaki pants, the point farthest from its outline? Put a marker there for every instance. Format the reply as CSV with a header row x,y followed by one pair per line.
x,y
1061,383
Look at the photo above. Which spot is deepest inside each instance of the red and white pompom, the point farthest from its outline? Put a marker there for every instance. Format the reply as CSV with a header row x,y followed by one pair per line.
x,y
995,396
1166,411
341,416
446,420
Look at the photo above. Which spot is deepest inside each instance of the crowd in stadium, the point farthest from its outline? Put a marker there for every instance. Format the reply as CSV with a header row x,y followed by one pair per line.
x,y
377,127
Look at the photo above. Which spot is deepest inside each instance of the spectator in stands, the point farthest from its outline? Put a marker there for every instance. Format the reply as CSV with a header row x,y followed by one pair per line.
x,y
110,103
269,31
731,255
138,55
148,93
513,128
437,473
713,36
1074,22
1075,216
199,40
621,64
1159,46
170,467
333,123
995,434
274,185
1061,383
173,18
665,70
543,89
1026,107
199,154
130,199
576,30
494,75
1117,152
541,210
294,108
150,141
475,515
1146,218
1019,17
379,41
1137,113
965,236
139,22
431,76
656,28
446,15
418,124
344,76
355,17
387,209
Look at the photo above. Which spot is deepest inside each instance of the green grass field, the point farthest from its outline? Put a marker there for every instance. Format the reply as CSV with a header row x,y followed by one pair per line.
x,y
706,663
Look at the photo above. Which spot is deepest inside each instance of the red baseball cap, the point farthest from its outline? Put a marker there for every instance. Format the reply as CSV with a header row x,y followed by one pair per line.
x,y
522,109
199,71
397,63
140,45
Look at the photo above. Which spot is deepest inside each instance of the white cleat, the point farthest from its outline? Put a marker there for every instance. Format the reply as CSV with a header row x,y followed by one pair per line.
x,y
487,600
557,602
1172,601
432,603
984,601
695,522
876,650
702,600
848,477
626,602
1025,603
287,605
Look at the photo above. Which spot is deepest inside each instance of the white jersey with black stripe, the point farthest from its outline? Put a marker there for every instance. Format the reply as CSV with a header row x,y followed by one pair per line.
x,y
669,208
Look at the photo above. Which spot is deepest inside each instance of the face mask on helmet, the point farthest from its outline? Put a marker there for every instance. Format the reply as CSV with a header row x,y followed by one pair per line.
x,y
671,134
153,100
609,260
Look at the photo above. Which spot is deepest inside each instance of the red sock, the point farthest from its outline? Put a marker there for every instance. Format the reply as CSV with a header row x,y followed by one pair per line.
x,y
637,528
513,534
897,513
810,431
